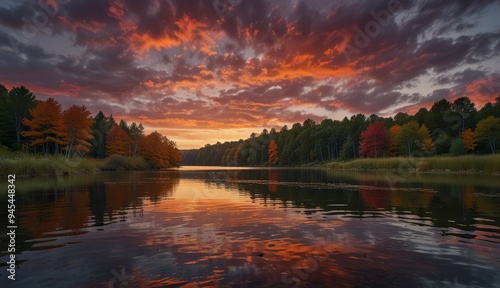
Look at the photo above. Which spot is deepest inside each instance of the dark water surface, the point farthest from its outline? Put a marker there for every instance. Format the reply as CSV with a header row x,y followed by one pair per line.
x,y
204,227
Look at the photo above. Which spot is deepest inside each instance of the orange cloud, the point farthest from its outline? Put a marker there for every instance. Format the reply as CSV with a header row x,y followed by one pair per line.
x,y
482,91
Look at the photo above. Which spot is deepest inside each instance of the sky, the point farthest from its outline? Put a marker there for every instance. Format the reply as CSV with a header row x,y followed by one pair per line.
x,y
202,71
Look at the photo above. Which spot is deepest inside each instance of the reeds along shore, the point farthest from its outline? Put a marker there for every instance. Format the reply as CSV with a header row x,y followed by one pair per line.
x,y
469,163
37,165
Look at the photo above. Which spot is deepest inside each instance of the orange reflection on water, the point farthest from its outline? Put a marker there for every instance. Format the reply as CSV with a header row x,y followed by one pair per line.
x,y
66,212
249,236
272,176
468,196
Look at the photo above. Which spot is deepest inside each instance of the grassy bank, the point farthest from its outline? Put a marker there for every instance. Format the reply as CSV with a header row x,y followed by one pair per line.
x,y
33,165
469,163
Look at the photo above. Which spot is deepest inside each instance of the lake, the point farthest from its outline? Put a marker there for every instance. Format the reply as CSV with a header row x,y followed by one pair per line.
x,y
243,227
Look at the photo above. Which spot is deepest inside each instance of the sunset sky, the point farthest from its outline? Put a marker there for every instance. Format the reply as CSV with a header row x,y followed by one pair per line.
x,y
202,71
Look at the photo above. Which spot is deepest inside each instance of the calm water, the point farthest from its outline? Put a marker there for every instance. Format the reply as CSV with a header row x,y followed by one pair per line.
x,y
200,227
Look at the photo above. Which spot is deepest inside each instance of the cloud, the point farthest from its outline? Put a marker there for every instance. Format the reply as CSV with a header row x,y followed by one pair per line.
x,y
190,64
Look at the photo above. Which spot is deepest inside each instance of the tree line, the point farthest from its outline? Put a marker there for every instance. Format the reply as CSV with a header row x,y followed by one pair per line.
x,y
42,127
447,128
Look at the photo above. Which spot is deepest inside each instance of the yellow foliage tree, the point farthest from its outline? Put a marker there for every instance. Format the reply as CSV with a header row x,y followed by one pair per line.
x,y
423,132
488,132
412,137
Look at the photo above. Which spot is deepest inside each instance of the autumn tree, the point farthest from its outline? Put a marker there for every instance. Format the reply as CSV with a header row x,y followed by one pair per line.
x,y
152,149
225,157
228,159
237,151
425,139
488,132
409,138
117,141
46,127
374,140
173,152
273,153
78,128
428,146
393,135
160,151
468,139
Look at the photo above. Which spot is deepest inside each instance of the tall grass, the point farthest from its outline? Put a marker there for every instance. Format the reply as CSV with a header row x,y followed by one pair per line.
x,y
23,164
29,165
118,162
468,163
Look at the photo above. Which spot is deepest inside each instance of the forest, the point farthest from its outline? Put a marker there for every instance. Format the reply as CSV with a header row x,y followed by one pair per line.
x,y
446,129
40,127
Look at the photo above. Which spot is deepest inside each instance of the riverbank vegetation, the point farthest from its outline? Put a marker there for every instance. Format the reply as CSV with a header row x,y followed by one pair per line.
x,y
27,164
38,137
467,163
446,130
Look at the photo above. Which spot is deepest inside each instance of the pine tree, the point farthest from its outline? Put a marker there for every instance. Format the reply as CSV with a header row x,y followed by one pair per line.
x,y
18,104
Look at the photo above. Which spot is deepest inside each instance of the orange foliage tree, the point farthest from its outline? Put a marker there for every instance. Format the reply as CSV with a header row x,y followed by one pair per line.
x,y
46,127
160,150
393,134
428,145
174,153
468,139
236,153
78,128
425,137
226,157
117,141
272,152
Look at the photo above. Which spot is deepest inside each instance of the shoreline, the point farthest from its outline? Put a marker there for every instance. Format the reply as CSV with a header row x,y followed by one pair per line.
x,y
466,164
37,165
25,166
416,171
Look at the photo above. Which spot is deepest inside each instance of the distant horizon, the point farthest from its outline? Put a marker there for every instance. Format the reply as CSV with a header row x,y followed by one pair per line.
x,y
203,72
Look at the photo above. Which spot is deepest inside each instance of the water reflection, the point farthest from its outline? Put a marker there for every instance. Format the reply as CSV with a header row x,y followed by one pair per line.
x,y
202,227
